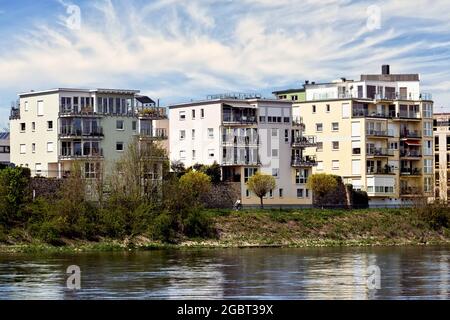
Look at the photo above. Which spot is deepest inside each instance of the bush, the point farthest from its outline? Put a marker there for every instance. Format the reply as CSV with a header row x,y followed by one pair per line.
x,y
164,228
198,224
436,215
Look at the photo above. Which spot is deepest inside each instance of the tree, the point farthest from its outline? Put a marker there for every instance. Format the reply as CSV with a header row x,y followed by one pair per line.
x,y
14,193
322,183
260,184
194,184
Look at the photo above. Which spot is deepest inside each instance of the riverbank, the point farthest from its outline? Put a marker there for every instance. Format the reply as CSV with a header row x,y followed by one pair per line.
x,y
279,228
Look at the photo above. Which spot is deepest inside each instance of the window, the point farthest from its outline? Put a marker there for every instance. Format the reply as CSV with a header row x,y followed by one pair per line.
x,y
119,146
193,114
335,145
280,192
427,110
294,98
193,154
335,126
275,153
22,127
182,155
182,134
335,165
428,129
33,147
427,184
23,148
49,146
119,125
49,125
356,129
427,148
275,172
249,172
319,146
193,134
91,170
314,109
262,119
345,110
319,165
210,133
133,126
319,127
210,153
328,108
182,115
287,119
40,108
286,135
38,169
247,193
274,132
393,145
356,167
299,193
301,176
307,193
356,147
26,105
428,166
33,126
202,113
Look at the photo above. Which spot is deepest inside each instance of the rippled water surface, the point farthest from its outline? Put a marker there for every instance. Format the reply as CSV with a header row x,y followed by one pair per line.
x,y
330,273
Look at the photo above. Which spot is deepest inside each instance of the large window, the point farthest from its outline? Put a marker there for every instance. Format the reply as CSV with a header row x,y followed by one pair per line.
x,y
428,166
427,110
248,172
120,125
40,108
301,176
428,128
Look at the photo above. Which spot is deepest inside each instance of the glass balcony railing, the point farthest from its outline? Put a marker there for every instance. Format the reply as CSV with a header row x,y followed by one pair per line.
x,y
380,133
307,161
70,131
239,140
158,133
380,170
70,153
379,152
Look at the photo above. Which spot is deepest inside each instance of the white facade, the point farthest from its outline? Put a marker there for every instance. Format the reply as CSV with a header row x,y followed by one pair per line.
x,y
52,129
243,136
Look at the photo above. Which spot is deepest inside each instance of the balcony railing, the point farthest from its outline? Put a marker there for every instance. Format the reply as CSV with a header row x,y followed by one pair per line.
x,y
69,131
410,191
369,114
158,133
152,113
410,153
379,133
239,140
303,162
69,153
240,120
410,172
410,134
15,113
239,162
304,142
377,170
408,115
383,152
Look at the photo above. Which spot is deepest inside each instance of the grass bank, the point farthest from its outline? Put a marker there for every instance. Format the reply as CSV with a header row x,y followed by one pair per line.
x,y
281,228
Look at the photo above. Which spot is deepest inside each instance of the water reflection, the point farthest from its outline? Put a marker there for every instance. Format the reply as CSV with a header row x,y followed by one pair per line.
x,y
328,273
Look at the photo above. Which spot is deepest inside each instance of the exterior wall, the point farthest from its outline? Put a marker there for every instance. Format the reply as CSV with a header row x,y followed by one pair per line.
x,y
40,136
442,156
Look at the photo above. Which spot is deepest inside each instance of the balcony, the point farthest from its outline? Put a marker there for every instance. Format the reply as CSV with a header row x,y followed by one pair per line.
x,y
155,134
69,132
410,172
305,162
410,191
240,120
239,162
410,154
152,113
410,134
304,142
68,112
15,113
379,152
380,170
70,154
298,123
379,133
359,113
407,115
404,97
230,140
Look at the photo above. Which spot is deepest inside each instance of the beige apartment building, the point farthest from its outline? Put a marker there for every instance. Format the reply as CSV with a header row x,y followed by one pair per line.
x,y
376,133
244,135
52,129
441,128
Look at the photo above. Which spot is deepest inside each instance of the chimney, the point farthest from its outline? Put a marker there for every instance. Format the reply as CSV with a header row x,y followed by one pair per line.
x,y
385,69
306,81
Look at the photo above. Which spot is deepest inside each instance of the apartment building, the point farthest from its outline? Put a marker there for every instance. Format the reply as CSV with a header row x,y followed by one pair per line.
x,y
245,136
441,129
52,129
4,149
376,133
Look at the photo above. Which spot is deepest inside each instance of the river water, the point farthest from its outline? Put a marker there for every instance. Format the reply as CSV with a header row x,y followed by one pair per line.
x,y
263,273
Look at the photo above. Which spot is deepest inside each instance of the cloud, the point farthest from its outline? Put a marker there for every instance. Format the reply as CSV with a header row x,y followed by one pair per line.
x,y
178,50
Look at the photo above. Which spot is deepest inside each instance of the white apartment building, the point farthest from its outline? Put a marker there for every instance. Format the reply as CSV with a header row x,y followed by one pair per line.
x,y
376,133
442,155
51,129
245,136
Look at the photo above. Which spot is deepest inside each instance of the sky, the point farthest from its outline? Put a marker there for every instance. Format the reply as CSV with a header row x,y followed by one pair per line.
x,y
176,50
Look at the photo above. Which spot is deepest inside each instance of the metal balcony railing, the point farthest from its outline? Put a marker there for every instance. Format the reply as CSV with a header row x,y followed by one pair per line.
x,y
303,162
410,153
15,113
239,140
410,171
410,134
304,142
379,133
240,120
70,131
379,152
69,153
378,170
410,191
357,113
158,133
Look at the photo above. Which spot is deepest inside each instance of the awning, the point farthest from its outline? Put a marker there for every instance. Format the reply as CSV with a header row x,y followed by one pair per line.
x,y
413,143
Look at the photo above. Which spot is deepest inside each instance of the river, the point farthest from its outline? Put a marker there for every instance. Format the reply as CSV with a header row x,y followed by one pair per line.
x,y
262,273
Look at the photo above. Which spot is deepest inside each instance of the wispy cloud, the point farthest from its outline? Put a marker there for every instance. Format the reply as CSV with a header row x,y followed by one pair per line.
x,y
177,50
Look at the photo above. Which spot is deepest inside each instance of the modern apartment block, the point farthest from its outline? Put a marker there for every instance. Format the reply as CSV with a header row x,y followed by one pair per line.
x,y
441,124
245,136
4,149
377,133
52,129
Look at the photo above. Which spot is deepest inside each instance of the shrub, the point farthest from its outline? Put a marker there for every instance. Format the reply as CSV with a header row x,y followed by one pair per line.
x,y
198,224
436,215
164,228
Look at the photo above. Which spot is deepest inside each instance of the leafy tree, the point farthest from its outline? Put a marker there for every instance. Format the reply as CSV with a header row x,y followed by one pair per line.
x,y
178,168
14,193
322,183
194,184
260,184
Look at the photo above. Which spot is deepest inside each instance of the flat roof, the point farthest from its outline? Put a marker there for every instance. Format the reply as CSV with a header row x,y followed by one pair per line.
x,y
289,91
228,101
121,91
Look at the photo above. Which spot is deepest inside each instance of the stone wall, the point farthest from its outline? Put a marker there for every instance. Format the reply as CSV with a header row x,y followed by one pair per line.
x,y
45,187
222,195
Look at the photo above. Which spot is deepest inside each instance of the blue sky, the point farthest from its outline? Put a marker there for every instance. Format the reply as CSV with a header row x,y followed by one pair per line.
x,y
180,50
